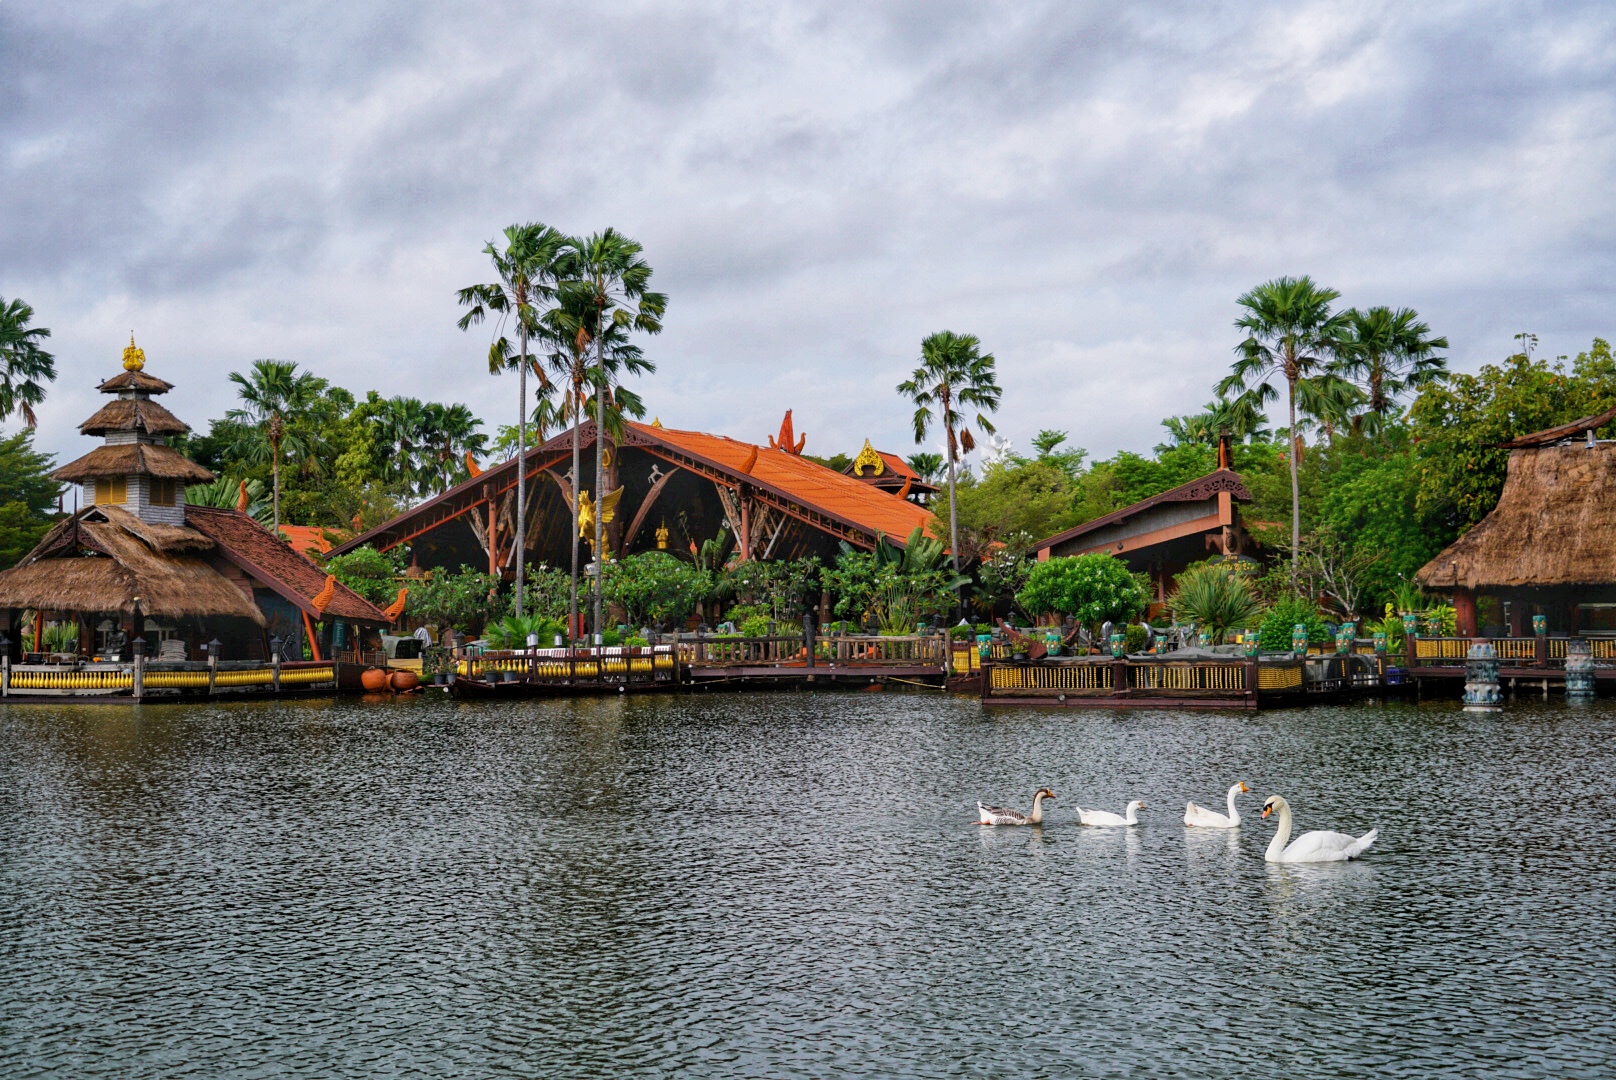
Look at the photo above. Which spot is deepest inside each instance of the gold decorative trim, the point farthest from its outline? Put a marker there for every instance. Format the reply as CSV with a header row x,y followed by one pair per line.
x,y
868,457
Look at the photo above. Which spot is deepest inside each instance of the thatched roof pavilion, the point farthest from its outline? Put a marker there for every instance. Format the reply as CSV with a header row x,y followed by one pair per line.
x,y
1548,547
139,562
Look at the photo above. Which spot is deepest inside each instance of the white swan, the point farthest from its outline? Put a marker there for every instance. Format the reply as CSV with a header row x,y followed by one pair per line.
x,y
1211,819
1317,846
1105,817
998,815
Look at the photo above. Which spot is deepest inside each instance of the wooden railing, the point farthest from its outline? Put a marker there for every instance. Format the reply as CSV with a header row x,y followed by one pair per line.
x,y
607,666
143,677
841,650
1512,651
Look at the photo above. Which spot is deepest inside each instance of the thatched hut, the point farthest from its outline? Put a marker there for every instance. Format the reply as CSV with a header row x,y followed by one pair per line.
x,y
1549,546
138,562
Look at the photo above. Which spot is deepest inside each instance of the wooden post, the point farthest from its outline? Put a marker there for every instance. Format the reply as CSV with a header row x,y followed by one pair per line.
x,y
213,665
1119,678
493,542
1540,649
1251,682
808,636
137,687
275,671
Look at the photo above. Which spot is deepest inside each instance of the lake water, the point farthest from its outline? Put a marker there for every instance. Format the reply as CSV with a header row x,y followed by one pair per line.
x,y
791,885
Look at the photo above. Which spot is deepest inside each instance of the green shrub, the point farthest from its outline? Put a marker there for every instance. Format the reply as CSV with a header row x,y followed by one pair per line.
x,y
1136,638
1216,597
1286,612
370,573
512,631
655,587
754,626
1090,588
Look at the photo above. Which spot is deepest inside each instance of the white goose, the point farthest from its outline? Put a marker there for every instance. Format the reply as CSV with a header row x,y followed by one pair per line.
x,y
998,815
1317,846
1105,817
1211,819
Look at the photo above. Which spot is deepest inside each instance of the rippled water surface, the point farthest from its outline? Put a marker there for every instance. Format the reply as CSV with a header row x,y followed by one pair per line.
x,y
791,885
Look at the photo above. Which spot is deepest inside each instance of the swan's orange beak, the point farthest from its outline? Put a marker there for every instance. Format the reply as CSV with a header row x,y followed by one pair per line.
x,y
1243,786
1267,810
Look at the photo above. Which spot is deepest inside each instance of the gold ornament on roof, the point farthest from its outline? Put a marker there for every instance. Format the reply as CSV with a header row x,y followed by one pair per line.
x,y
868,457
134,357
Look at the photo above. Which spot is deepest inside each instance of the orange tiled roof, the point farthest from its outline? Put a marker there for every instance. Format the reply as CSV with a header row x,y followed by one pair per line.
x,y
808,482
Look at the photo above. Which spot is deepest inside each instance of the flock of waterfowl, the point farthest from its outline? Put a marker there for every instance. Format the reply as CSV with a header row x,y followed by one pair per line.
x,y
1321,845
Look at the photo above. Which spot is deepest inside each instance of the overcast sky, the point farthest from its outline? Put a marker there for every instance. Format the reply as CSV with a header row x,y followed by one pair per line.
x,y
1086,186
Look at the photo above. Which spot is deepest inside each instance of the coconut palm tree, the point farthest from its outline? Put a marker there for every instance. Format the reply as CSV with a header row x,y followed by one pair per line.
x,y
927,466
276,399
954,375
1390,353
610,281
1292,334
451,432
568,329
24,365
527,269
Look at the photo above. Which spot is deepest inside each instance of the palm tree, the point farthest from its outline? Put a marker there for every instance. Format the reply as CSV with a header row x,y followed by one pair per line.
x,y
1291,333
1390,353
568,329
927,466
610,281
954,374
275,399
25,364
527,270
451,432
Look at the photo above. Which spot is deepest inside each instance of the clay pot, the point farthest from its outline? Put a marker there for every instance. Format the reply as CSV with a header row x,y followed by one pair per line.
x,y
374,680
402,682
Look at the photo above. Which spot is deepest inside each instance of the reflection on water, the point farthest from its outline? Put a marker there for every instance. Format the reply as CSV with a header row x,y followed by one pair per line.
x,y
793,885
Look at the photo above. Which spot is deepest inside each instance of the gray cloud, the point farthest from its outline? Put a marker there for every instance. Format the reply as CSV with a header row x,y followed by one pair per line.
x,y
1085,186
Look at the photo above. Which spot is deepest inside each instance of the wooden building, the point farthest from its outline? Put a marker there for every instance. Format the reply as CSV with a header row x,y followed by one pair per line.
x,y
138,562
668,490
1165,533
1548,548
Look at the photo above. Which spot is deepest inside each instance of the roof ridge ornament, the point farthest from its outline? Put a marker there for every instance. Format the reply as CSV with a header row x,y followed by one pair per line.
x,y
134,357
788,441
868,457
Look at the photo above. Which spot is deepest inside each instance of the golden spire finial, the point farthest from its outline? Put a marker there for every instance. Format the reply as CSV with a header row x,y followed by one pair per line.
x,y
868,459
134,357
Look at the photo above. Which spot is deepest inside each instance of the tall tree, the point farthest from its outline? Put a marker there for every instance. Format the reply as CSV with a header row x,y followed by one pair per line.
x,y
275,400
527,270
24,365
954,375
1389,353
452,432
609,272
569,331
1291,333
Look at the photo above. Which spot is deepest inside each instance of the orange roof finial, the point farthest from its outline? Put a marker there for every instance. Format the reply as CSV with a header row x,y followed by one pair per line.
x,y
788,440
322,599
907,482
241,498
751,460
396,608
472,467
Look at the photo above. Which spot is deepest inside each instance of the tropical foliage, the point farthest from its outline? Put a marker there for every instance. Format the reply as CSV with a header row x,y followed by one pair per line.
x,y
25,366
27,496
1216,597
1092,589
655,588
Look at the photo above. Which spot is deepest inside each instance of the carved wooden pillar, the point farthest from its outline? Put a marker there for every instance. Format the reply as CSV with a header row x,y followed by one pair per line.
x,y
493,542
